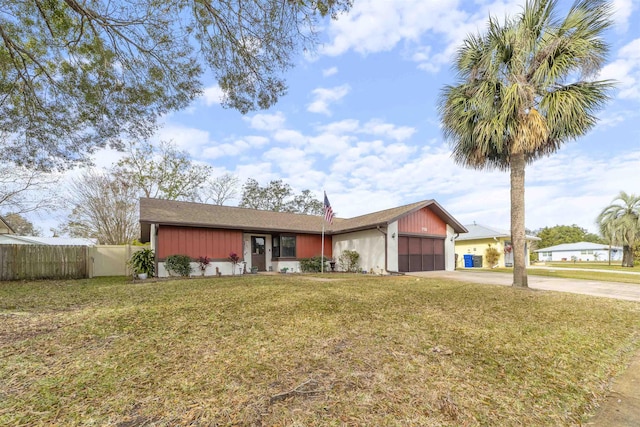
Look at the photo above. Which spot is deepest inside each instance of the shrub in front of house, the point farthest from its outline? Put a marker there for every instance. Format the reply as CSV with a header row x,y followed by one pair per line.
x,y
143,262
491,255
203,263
349,261
313,264
178,264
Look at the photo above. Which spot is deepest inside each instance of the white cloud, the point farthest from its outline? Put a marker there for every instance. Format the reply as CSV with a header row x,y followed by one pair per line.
x,y
372,127
245,146
611,119
291,161
256,141
260,171
192,140
330,71
622,12
236,148
290,136
267,121
213,95
626,71
340,127
377,127
328,144
107,157
376,26
323,97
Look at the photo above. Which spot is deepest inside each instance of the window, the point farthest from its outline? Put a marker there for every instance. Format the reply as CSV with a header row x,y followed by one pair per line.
x,y
284,246
288,246
257,245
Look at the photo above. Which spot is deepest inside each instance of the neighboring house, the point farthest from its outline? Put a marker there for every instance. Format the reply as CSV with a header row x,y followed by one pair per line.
x,y
581,251
415,237
479,238
5,228
12,239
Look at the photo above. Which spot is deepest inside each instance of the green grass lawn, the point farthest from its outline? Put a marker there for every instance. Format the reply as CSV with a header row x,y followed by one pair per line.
x,y
587,275
615,265
298,350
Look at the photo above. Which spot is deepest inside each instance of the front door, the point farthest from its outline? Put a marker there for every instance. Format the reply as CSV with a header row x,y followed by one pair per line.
x,y
258,258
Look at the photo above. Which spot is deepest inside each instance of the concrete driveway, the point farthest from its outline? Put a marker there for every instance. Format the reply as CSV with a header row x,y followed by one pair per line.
x,y
623,291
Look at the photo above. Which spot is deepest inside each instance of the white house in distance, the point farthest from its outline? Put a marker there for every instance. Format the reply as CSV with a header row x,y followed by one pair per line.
x,y
581,251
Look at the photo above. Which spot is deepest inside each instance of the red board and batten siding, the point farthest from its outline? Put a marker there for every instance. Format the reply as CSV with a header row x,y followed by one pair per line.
x,y
416,253
310,245
423,221
197,242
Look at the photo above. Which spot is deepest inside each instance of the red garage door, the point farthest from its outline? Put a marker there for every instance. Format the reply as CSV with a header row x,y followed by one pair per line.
x,y
420,254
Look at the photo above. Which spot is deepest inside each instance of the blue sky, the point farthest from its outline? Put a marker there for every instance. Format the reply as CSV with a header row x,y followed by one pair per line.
x,y
360,122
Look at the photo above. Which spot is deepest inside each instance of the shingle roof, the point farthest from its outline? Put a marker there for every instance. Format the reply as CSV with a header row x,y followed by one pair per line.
x,y
477,232
171,212
579,246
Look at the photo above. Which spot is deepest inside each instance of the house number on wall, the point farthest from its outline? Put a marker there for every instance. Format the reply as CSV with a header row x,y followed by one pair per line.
x,y
424,228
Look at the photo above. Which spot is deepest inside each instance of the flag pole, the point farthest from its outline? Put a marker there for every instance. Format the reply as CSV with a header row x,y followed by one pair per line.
x,y
328,216
322,252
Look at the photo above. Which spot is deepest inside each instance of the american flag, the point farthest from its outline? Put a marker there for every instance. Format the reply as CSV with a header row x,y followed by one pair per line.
x,y
328,212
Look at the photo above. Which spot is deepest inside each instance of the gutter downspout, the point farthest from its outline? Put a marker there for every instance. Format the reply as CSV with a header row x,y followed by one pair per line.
x,y
385,246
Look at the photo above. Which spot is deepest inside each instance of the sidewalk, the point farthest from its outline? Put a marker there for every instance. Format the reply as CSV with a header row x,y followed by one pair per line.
x,y
622,406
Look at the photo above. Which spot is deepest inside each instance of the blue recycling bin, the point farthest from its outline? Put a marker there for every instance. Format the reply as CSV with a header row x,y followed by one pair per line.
x,y
468,261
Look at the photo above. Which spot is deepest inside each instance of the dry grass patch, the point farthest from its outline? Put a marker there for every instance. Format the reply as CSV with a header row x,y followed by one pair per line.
x,y
292,350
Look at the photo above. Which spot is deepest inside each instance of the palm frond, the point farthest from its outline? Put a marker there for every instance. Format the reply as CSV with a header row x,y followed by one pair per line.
x,y
570,109
518,92
620,221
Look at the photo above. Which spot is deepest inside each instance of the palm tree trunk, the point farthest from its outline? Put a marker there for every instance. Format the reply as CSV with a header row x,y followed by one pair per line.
x,y
627,256
517,221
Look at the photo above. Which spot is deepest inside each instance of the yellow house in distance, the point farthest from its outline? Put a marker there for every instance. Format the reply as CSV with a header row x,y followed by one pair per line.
x,y
470,247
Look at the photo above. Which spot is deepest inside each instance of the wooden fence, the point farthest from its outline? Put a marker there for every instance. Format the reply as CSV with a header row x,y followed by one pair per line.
x,y
111,260
27,262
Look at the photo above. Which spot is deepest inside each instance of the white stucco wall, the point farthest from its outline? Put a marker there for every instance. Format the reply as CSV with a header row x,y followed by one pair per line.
x,y
224,267
392,246
368,243
450,250
292,266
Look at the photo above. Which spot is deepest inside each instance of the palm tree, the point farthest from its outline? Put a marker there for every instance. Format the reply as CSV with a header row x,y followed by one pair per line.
x,y
620,224
525,87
